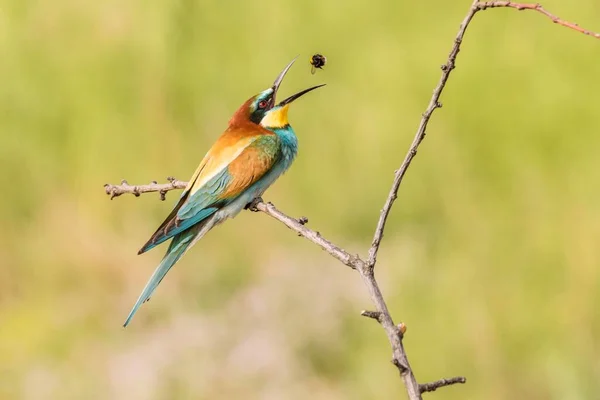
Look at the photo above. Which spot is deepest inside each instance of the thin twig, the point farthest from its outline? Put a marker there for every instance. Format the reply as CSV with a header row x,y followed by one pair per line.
x,y
117,190
294,224
434,103
433,386
536,7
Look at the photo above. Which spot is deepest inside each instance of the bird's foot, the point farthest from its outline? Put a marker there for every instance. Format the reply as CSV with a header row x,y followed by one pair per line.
x,y
252,206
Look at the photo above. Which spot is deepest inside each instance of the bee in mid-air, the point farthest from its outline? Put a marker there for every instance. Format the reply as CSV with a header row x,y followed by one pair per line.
x,y
317,61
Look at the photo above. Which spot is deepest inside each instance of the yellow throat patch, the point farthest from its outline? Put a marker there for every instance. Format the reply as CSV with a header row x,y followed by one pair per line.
x,y
277,118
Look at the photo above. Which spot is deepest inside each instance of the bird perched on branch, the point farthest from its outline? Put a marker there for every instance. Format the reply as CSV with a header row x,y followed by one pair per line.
x,y
256,148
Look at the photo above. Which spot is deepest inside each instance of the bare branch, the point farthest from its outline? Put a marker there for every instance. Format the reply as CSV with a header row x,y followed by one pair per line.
x,y
433,386
419,136
294,224
117,190
536,7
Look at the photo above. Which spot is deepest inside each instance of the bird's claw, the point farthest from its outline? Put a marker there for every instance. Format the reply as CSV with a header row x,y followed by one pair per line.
x,y
253,205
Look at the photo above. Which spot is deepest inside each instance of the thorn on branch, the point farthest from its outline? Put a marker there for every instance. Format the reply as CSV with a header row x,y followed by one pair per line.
x,y
111,191
376,315
433,386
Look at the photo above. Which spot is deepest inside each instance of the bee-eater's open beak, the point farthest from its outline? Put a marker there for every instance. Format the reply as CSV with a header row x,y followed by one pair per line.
x,y
297,95
280,78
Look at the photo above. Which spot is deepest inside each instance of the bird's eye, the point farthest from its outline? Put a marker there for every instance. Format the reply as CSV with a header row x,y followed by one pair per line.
x,y
262,104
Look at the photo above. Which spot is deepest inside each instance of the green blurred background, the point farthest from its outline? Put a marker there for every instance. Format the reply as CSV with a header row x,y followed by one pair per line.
x,y
490,257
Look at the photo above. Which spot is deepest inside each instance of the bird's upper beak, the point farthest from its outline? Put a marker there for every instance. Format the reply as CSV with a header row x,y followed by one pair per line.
x,y
278,81
280,77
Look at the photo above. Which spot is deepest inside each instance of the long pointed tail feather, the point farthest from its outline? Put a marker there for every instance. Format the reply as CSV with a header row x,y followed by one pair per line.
x,y
179,245
177,248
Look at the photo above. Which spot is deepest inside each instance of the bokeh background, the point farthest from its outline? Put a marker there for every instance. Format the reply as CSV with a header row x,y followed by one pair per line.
x,y
491,255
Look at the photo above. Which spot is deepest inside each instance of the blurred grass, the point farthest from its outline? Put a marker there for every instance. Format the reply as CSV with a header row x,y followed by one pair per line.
x,y
490,256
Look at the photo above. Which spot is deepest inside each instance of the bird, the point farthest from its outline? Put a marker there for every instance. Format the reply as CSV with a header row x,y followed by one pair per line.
x,y
257,147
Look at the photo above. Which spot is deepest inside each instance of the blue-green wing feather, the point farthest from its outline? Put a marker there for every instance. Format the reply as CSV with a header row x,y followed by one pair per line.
x,y
191,210
208,195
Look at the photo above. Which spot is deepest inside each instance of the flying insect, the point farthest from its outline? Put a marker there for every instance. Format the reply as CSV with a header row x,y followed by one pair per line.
x,y
317,61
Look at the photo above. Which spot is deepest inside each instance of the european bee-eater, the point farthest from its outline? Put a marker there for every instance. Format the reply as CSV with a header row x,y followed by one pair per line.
x,y
256,148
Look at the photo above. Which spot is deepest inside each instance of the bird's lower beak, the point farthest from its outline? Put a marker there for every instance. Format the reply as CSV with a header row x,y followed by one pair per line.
x,y
280,78
297,95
